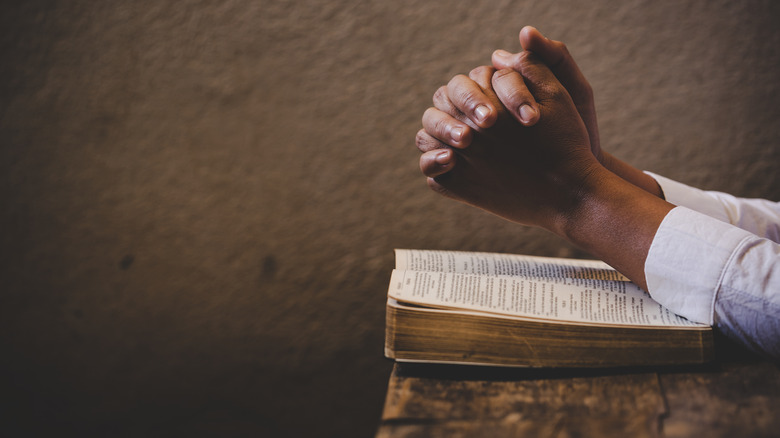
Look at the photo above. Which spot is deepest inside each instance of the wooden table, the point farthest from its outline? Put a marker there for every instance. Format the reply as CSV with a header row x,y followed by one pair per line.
x,y
738,395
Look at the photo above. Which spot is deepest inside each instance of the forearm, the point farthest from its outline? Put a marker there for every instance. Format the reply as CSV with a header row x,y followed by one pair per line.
x,y
615,221
631,174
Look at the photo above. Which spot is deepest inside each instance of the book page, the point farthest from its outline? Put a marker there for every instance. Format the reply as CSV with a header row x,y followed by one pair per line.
x,y
482,263
580,300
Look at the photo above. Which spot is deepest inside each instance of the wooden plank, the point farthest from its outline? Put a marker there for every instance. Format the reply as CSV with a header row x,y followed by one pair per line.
x,y
734,399
434,400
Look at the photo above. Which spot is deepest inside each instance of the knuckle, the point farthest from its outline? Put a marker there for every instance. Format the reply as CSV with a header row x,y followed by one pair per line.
x,y
562,47
556,92
426,118
524,61
421,138
440,95
457,81
523,58
428,114
515,98
425,142
480,72
512,87
470,102
436,124
467,100
429,166
440,128
465,95
501,74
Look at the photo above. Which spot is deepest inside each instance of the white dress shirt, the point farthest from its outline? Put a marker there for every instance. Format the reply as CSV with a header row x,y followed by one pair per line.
x,y
716,259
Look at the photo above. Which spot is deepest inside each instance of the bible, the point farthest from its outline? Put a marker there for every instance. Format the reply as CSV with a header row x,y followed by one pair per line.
x,y
513,310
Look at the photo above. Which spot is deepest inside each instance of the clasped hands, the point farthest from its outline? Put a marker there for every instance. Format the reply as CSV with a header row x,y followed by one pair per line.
x,y
518,139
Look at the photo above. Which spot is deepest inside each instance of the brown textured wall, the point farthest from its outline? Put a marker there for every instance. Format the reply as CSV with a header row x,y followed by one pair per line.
x,y
200,199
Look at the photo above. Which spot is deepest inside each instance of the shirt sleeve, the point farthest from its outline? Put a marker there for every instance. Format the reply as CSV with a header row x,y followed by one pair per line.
x,y
710,271
758,216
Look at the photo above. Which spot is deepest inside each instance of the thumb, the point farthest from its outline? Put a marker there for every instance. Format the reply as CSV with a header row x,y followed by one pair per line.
x,y
536,75
552,52
557,57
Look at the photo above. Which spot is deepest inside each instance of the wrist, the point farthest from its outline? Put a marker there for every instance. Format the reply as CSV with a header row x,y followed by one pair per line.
x,y
569,186
631,174
615,221
583,201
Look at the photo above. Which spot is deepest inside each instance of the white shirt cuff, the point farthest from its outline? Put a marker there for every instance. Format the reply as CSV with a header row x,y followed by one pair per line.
x,y
686,262
691,197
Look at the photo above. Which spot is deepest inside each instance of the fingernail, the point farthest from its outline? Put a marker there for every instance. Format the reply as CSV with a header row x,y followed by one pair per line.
x,y
457,133
443,157
482,113
527,113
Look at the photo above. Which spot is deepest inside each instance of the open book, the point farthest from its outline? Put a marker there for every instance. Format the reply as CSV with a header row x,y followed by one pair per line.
x,y
512,310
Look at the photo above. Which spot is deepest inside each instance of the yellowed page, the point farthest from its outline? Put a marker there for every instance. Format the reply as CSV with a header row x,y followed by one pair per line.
x,y
483,263
578,300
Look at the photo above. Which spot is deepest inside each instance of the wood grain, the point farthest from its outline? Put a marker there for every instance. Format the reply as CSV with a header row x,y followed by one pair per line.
x,y
724,399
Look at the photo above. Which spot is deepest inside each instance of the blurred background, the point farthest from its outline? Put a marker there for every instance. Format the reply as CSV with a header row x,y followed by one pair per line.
x,y
200,200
